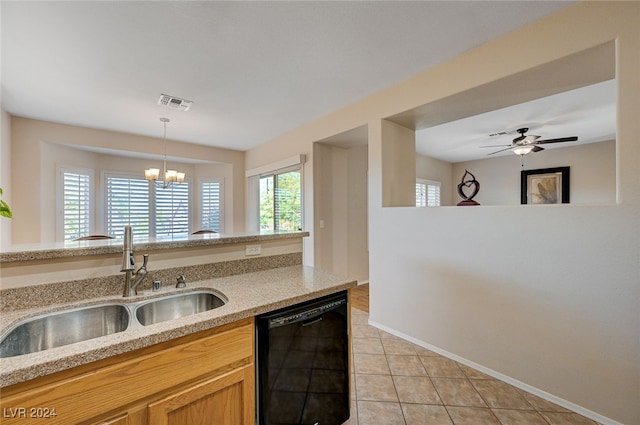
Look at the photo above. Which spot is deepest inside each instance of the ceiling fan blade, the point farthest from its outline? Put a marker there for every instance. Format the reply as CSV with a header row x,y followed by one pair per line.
x,y
501,150
494,146
537,149
560,140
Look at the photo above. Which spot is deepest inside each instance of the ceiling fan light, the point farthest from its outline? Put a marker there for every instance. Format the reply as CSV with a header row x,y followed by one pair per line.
x,y
522,150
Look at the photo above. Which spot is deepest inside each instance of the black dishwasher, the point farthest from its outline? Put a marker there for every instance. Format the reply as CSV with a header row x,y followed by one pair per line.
x,y
303,363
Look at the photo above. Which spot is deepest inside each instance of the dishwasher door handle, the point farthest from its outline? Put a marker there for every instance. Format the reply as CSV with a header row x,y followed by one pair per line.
x,y
312,321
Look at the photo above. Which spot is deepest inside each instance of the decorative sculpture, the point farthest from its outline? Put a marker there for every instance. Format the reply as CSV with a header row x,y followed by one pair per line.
x,y
467,200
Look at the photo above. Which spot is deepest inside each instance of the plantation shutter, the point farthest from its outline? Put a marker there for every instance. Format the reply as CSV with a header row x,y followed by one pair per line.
x,y
77,205
172,210
211,205
127,204
427,193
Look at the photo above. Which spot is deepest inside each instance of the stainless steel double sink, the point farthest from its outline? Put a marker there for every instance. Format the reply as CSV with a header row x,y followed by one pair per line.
x,y
73,325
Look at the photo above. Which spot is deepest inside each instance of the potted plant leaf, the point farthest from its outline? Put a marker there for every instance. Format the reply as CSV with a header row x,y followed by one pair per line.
x,y
5,211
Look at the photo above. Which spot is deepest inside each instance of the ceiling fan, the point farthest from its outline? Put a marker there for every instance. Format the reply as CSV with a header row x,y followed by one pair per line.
x,y
523,144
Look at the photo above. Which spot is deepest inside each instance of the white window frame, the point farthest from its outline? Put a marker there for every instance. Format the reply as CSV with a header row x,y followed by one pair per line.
x,y
253,188
428,183
60,171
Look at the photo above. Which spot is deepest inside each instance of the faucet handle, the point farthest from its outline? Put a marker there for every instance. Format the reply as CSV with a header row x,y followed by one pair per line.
x,y
145,260
181,282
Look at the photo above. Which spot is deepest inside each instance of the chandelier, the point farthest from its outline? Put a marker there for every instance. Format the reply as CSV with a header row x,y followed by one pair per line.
x,y
169,176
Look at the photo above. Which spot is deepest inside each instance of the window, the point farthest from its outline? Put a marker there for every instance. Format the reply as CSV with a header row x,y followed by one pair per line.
x,y
127,204
280,201
76,203
427,193
211,205
151,211
172,210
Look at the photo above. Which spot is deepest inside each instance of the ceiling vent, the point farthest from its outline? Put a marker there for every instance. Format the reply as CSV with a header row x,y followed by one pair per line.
x,y
174,102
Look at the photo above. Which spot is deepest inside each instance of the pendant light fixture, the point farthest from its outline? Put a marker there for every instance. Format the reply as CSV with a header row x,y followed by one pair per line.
x,y
169,176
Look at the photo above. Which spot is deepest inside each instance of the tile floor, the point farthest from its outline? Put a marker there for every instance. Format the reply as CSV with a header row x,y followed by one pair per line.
x,y
397,382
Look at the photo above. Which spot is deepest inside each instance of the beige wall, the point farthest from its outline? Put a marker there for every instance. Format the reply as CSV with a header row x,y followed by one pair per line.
x,y
593,174
398,180
441,171
340,206
37,147
545,297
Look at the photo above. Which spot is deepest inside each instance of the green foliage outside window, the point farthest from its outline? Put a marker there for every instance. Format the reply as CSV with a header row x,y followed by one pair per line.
x,y
280,202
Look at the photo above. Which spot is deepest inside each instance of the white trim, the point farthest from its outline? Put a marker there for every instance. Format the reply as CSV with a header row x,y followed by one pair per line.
x,y
276,166
518,384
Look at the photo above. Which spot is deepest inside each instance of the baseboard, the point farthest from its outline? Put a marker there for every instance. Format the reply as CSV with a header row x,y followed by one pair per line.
x,y
526,387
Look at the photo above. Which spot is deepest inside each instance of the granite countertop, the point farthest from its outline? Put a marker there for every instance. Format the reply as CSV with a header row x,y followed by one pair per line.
x,y
114,246
248,295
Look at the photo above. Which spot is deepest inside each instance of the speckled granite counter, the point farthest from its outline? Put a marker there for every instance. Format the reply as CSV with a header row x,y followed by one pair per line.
x,y
114,246
248,295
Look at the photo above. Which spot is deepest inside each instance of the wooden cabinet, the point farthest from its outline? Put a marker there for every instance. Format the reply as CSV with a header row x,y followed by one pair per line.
x,y
202,378
220,400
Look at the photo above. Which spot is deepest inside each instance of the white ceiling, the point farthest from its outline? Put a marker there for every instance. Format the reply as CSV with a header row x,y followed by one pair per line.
x,y
254,70
588,112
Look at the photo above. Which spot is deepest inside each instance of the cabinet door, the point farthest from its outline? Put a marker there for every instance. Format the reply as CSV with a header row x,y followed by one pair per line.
x,y
121,420
226,399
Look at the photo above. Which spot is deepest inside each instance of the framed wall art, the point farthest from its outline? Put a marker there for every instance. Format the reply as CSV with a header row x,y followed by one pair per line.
x,y
545,186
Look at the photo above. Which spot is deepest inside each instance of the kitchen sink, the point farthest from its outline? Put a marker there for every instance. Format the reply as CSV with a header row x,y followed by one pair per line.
x,y
60,328
176,306
66,327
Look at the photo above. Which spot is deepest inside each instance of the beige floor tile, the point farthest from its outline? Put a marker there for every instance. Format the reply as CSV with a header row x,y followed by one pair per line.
x,y
416,389
367,345
519,417
376,388
375,364
379,413
421,351
441,367
543,405
406,365
359,317
556,418
364,331
498,394
423,414
457,392
395,346
472,416
472,373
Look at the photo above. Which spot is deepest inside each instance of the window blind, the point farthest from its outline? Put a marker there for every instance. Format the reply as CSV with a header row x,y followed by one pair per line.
x,y
211,205
427,193
77,205
127,204
172,210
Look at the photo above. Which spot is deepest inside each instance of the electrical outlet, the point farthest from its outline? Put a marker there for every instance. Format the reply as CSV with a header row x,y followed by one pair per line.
x,y
252,250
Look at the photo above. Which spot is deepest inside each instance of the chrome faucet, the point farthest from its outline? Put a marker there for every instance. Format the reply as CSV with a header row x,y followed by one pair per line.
x,y
132,278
